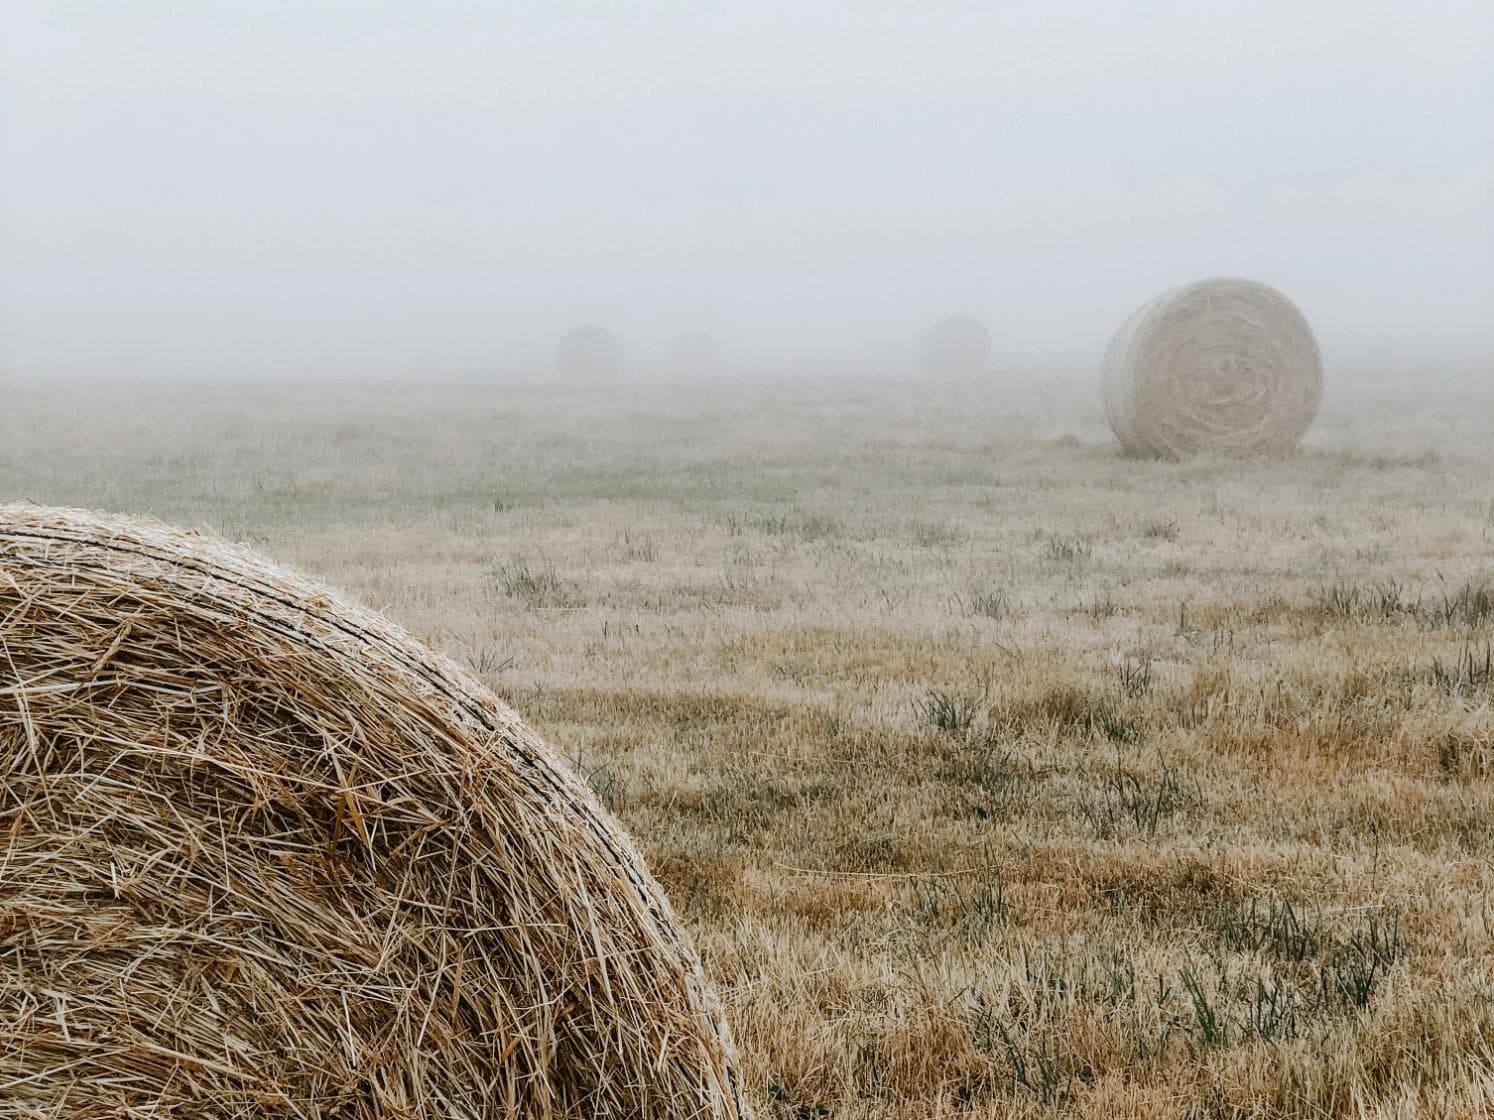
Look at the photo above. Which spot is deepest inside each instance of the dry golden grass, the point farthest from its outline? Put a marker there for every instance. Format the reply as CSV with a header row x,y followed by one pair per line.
x,y
995,774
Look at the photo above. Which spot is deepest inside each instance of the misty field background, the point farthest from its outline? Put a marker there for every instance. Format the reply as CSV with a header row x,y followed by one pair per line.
x,y
994,773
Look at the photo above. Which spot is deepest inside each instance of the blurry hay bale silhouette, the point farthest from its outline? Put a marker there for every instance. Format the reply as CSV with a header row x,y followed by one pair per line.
x,y
588,353
263,854
1223,366
695,352
954,345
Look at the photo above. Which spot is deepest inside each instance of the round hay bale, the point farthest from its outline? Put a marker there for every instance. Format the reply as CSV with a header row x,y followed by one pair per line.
x,y
955,346
266,855
1223,366
588,353
695,352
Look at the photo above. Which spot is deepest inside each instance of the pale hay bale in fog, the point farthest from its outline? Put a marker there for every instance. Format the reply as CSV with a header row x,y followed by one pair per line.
x,y
588,353
695,352
955,345
1225,365
263,854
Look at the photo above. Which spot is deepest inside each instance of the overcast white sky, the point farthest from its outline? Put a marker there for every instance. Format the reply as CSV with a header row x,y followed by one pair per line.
x,y
237,188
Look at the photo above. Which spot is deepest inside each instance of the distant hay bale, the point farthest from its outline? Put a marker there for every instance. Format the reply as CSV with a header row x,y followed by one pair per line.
x,y
1223,366
695,352
956,345
265,855
588,353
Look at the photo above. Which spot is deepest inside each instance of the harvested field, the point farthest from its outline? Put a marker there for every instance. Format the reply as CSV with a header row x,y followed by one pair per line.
x,y
992,772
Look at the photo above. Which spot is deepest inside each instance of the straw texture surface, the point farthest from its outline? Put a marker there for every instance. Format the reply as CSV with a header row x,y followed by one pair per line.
x,y
264,855
1223,366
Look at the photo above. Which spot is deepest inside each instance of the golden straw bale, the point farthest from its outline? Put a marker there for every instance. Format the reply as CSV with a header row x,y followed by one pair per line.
x,y
264,855
1223,366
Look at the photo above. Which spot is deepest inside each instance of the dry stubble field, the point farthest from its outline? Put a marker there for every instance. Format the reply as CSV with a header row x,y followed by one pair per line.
x,y
995,774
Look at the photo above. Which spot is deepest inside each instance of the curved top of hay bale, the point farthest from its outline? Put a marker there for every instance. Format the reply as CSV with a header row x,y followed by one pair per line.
x,y
954,345
694,352
266,855
588,353
1225,366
